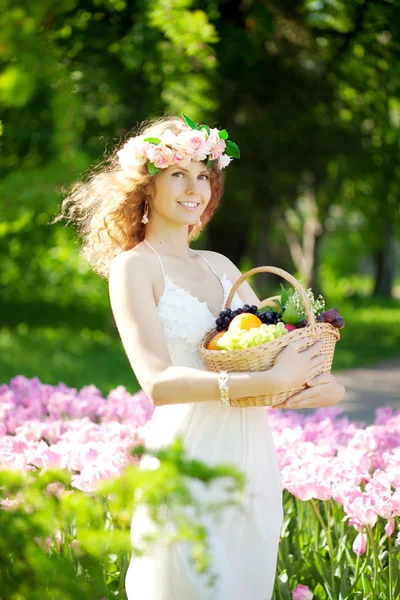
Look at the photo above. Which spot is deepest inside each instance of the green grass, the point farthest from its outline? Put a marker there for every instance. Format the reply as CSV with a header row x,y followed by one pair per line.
x,y
371,333
63,354
82,356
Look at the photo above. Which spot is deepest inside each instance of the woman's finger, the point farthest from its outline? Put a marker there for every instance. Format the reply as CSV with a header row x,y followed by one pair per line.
x,y
320,379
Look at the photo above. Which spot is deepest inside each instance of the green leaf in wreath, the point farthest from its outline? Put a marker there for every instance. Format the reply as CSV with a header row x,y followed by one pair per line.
x,y
232,149
208,163
152,140
223,134
206,127
290,315
189,121
152,169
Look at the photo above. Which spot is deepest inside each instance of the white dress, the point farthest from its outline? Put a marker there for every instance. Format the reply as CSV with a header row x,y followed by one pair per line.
x,y
244,544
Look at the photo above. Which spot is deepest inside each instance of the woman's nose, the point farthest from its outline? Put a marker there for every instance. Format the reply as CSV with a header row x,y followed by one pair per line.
x,y
191,187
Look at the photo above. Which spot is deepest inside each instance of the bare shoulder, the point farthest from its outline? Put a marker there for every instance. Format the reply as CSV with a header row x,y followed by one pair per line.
x,y
223,264
137,260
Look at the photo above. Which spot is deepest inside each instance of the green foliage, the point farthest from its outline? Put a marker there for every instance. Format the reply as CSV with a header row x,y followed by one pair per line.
x,y
61,543
316,550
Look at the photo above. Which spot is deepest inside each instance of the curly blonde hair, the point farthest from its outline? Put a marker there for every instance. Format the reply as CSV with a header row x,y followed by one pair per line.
x,y
108,205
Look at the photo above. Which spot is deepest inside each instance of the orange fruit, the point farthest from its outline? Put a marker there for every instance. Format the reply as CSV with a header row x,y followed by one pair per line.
x,y
212,344
245,321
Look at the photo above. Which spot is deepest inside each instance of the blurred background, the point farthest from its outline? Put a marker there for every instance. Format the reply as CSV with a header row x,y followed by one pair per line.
x,y
309,90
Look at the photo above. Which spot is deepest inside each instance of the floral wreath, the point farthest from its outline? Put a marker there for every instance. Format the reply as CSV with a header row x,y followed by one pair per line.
x,y
171,149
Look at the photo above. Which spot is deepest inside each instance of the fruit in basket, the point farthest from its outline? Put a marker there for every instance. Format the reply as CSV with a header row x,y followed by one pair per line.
x,y
237,339
290,327
212,344
244,321
332,317
268,316
226,316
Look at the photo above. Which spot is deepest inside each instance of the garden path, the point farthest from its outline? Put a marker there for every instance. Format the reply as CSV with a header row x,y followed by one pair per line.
x,y
369,388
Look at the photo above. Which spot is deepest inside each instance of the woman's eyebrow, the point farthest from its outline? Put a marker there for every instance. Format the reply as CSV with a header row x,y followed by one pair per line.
x,y
183,169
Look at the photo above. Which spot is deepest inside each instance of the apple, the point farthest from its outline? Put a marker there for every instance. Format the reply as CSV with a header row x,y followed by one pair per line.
x,y
290,327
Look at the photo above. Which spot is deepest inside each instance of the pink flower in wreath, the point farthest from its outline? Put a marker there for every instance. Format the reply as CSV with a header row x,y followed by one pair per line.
x,y
191,142
160,156
181,158
218,150
302,592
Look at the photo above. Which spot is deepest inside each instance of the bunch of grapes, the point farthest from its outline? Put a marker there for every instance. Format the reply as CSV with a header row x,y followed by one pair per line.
x,y
240,339
269,316
331,316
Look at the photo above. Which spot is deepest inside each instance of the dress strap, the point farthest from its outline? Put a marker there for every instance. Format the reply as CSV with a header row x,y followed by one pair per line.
x,y
159,257
218,277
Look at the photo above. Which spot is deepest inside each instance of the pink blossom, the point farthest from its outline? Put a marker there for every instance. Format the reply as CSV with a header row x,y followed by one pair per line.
x,y
161,156
389,527
218,150
360,544
302,592
181,158
192,142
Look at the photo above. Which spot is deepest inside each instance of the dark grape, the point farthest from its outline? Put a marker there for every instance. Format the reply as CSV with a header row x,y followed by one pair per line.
x,y
302,323
219,321
239,311
246,308
227,321
254,308
321,318
331,315
269,317
219,328
339,323
228,310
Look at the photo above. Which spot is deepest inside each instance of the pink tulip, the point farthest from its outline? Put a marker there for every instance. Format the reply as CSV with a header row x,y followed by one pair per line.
x,y
360,544
302,592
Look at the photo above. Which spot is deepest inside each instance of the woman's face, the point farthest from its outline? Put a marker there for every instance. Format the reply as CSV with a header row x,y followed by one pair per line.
x,y
176,185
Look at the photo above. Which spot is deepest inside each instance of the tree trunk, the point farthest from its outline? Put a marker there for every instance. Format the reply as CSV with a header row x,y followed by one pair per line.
x,y
384,259
315,282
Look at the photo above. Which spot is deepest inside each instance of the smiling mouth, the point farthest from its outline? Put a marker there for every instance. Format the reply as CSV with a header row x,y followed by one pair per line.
x,y
193,206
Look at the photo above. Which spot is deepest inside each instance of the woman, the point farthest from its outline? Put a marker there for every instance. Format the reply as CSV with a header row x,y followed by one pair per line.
x,y
137,221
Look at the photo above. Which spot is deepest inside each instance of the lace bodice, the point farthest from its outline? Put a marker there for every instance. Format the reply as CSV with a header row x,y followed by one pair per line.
x,y
185,319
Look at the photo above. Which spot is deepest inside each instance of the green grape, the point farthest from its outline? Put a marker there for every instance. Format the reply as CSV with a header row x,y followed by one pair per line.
x,y
239,339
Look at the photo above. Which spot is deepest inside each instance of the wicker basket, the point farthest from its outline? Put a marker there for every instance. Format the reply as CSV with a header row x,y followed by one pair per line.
x,y
262,358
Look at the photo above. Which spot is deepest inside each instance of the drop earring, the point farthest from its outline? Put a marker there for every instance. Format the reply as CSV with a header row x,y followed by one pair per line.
x,y
145,218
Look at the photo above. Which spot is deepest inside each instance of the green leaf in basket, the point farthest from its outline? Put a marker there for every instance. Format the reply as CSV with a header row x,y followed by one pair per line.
x,y
290,315
286,294
279,305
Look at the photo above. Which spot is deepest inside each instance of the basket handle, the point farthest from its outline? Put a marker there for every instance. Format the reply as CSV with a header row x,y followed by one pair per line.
x,y
285,275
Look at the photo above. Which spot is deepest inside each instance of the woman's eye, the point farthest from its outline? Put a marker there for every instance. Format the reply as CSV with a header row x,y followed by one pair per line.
x,y
180,173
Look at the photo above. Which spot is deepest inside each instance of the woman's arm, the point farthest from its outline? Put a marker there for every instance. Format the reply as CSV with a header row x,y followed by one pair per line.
x,y
136,316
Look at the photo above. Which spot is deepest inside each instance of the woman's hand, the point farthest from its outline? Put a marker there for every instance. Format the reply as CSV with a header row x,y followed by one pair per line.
x,y
323,390
294,367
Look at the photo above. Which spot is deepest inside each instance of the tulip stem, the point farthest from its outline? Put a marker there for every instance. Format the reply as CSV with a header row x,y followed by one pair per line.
x,y
390,567
375,555
328,537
